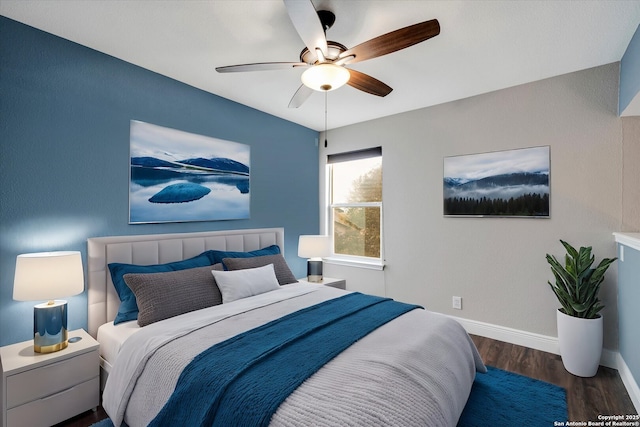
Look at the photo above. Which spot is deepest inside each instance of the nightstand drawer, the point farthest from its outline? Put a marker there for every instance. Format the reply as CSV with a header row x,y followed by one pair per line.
x,y
57,407
47,380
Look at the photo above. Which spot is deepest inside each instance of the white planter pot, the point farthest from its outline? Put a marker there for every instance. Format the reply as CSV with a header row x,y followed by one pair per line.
x,y
580,344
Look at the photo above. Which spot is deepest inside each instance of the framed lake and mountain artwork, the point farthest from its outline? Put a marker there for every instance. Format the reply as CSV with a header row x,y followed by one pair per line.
x,y
178,176
513,183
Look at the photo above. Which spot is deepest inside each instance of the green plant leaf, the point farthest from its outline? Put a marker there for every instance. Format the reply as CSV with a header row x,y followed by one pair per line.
x,y
578,284
570,249
563,298
562,275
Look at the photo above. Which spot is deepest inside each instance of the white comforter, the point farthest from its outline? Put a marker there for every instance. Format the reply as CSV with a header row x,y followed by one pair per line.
x,y
416,370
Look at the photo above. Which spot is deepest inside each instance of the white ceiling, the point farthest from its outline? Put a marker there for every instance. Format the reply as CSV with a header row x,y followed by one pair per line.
x,y
483,46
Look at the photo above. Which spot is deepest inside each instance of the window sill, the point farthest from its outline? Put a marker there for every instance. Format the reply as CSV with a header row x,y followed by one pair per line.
x,y
370,265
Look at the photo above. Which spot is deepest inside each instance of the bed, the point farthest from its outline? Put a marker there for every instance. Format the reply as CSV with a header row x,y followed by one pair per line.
x,y
279,354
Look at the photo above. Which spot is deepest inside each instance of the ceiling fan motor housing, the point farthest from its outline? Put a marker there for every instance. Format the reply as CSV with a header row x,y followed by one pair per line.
x,y
334,49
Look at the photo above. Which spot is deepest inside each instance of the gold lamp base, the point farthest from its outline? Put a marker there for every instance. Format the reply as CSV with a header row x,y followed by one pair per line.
x,y
50,348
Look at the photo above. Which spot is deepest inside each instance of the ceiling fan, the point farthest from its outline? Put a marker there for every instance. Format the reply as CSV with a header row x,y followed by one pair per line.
x,y
325,60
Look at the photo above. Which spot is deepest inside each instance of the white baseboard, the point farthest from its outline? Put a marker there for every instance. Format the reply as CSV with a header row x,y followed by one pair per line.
x,y
540,342
629,382
610,358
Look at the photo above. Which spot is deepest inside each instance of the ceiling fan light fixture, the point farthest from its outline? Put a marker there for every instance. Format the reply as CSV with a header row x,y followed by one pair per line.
x,y
325,77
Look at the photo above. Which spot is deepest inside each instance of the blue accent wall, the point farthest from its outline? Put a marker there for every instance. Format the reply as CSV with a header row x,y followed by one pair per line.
x,y
628,314
630,72
64,156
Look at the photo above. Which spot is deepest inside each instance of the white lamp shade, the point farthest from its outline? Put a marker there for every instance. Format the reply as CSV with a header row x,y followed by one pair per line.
x,y
314,246
325,77
48,275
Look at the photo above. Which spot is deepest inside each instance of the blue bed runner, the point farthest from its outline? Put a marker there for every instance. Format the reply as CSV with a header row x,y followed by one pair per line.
x,y
242,381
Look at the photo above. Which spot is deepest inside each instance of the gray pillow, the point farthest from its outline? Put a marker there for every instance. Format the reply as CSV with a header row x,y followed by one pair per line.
x,y
164,295
283,273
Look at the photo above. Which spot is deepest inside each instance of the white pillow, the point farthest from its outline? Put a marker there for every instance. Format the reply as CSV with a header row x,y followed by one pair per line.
x,y
239,284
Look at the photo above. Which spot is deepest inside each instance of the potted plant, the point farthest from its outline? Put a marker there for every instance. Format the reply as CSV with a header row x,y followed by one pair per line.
x,y
579,322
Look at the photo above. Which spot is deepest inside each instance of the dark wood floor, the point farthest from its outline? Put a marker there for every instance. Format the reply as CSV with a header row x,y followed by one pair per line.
x,y
85,419
587,398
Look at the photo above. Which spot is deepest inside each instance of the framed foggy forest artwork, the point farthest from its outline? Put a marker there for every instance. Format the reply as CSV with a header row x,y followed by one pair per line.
x,y
178,176
512,183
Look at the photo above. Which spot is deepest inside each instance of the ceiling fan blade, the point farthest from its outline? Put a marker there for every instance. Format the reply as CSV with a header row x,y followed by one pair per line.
x,y
393,41
260,66
307,23
301,95
368,84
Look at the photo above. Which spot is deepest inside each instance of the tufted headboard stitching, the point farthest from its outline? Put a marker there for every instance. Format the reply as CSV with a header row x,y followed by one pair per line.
x,y
157,249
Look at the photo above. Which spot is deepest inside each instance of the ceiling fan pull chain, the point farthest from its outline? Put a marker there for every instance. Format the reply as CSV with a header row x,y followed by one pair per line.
x,y
326,93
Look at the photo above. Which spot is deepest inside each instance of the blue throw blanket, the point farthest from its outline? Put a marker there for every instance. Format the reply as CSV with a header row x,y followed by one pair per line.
x,y
243,380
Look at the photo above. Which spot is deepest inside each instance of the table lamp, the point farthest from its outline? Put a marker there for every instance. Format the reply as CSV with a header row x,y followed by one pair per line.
x,y
47,276
314,248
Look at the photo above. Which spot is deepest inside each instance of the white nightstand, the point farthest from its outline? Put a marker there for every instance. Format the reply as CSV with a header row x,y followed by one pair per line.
x,y
328,281
42,389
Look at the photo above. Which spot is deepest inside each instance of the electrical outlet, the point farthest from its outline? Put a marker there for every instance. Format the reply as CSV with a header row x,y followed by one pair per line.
x,y
457,303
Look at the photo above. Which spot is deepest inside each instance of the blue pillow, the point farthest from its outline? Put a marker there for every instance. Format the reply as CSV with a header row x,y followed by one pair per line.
x,y
128,309
218,256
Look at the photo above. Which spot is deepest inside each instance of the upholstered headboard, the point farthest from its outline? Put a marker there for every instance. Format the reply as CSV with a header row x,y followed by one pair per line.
x,y
158,249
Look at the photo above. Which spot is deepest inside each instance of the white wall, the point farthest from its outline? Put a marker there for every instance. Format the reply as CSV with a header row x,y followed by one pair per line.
x,y
497,265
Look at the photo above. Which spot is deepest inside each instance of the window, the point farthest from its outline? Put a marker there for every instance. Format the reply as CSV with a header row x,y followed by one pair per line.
x,y
355,204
